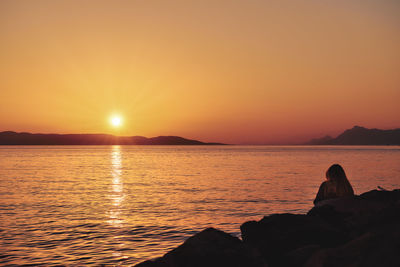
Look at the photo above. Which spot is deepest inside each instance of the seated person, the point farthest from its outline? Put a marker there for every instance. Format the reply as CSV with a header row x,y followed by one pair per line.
x,y
336,185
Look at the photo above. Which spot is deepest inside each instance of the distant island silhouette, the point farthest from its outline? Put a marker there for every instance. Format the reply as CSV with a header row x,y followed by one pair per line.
x,y
361,136
14,138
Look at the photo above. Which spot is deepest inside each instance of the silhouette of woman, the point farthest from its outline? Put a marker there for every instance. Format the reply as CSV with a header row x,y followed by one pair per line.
x,y
336,185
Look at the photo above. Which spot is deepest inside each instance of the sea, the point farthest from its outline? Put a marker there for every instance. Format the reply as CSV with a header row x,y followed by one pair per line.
x,y
120,205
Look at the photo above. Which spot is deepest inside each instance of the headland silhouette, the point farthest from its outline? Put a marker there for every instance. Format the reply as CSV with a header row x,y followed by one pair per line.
x,y
361,136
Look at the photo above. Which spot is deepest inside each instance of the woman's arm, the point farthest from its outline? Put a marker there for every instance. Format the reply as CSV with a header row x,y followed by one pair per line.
x,y
321,193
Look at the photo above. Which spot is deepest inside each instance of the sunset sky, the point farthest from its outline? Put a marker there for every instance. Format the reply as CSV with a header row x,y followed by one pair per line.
x,y
245,72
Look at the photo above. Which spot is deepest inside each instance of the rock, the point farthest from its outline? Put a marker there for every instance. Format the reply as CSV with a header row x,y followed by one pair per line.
x,y
299,256
348,206
278,234
355,215
369,202
151,263
210,247
382,196
376,248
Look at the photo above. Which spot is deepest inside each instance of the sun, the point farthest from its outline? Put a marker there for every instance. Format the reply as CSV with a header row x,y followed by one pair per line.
x,y
116,121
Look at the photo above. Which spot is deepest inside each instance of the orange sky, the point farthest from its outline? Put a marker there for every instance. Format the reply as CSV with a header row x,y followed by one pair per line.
x,y
232,71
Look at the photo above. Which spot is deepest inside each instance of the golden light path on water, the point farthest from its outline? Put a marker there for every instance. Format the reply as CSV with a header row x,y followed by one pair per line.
x,y
116,194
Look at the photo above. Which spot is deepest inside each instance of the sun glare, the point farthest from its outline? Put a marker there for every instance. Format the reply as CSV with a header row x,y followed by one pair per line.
x,y
116,121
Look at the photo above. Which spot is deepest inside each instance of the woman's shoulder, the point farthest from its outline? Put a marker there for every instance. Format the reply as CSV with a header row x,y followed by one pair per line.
x,y
323,184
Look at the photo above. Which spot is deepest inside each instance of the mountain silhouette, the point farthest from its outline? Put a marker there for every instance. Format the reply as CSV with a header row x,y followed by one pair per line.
x,y
361,136
14,138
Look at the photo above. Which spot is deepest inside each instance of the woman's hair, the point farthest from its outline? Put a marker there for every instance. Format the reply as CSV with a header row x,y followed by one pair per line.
x,y
336,175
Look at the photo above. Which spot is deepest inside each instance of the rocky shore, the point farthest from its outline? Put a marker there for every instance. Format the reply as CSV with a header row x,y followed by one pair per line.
x,y
362,230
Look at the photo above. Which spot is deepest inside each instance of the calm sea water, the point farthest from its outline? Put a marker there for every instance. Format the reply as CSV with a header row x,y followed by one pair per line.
x,y
124,204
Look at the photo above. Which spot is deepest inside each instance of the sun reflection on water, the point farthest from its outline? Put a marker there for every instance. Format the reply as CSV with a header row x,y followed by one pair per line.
x,y
116,194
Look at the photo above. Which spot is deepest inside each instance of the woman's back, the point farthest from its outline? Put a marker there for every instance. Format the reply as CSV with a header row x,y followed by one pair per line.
x,y
335,186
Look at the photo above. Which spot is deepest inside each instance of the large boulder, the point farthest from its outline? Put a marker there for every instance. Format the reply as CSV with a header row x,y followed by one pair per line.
x,y
298,256
379,247
369,202
278,234
356,215
210,247
388,197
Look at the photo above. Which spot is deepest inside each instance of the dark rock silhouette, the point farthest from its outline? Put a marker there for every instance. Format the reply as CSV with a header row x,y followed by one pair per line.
x,y
361,136
212,248
13,138
359,231
279,234
378,247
